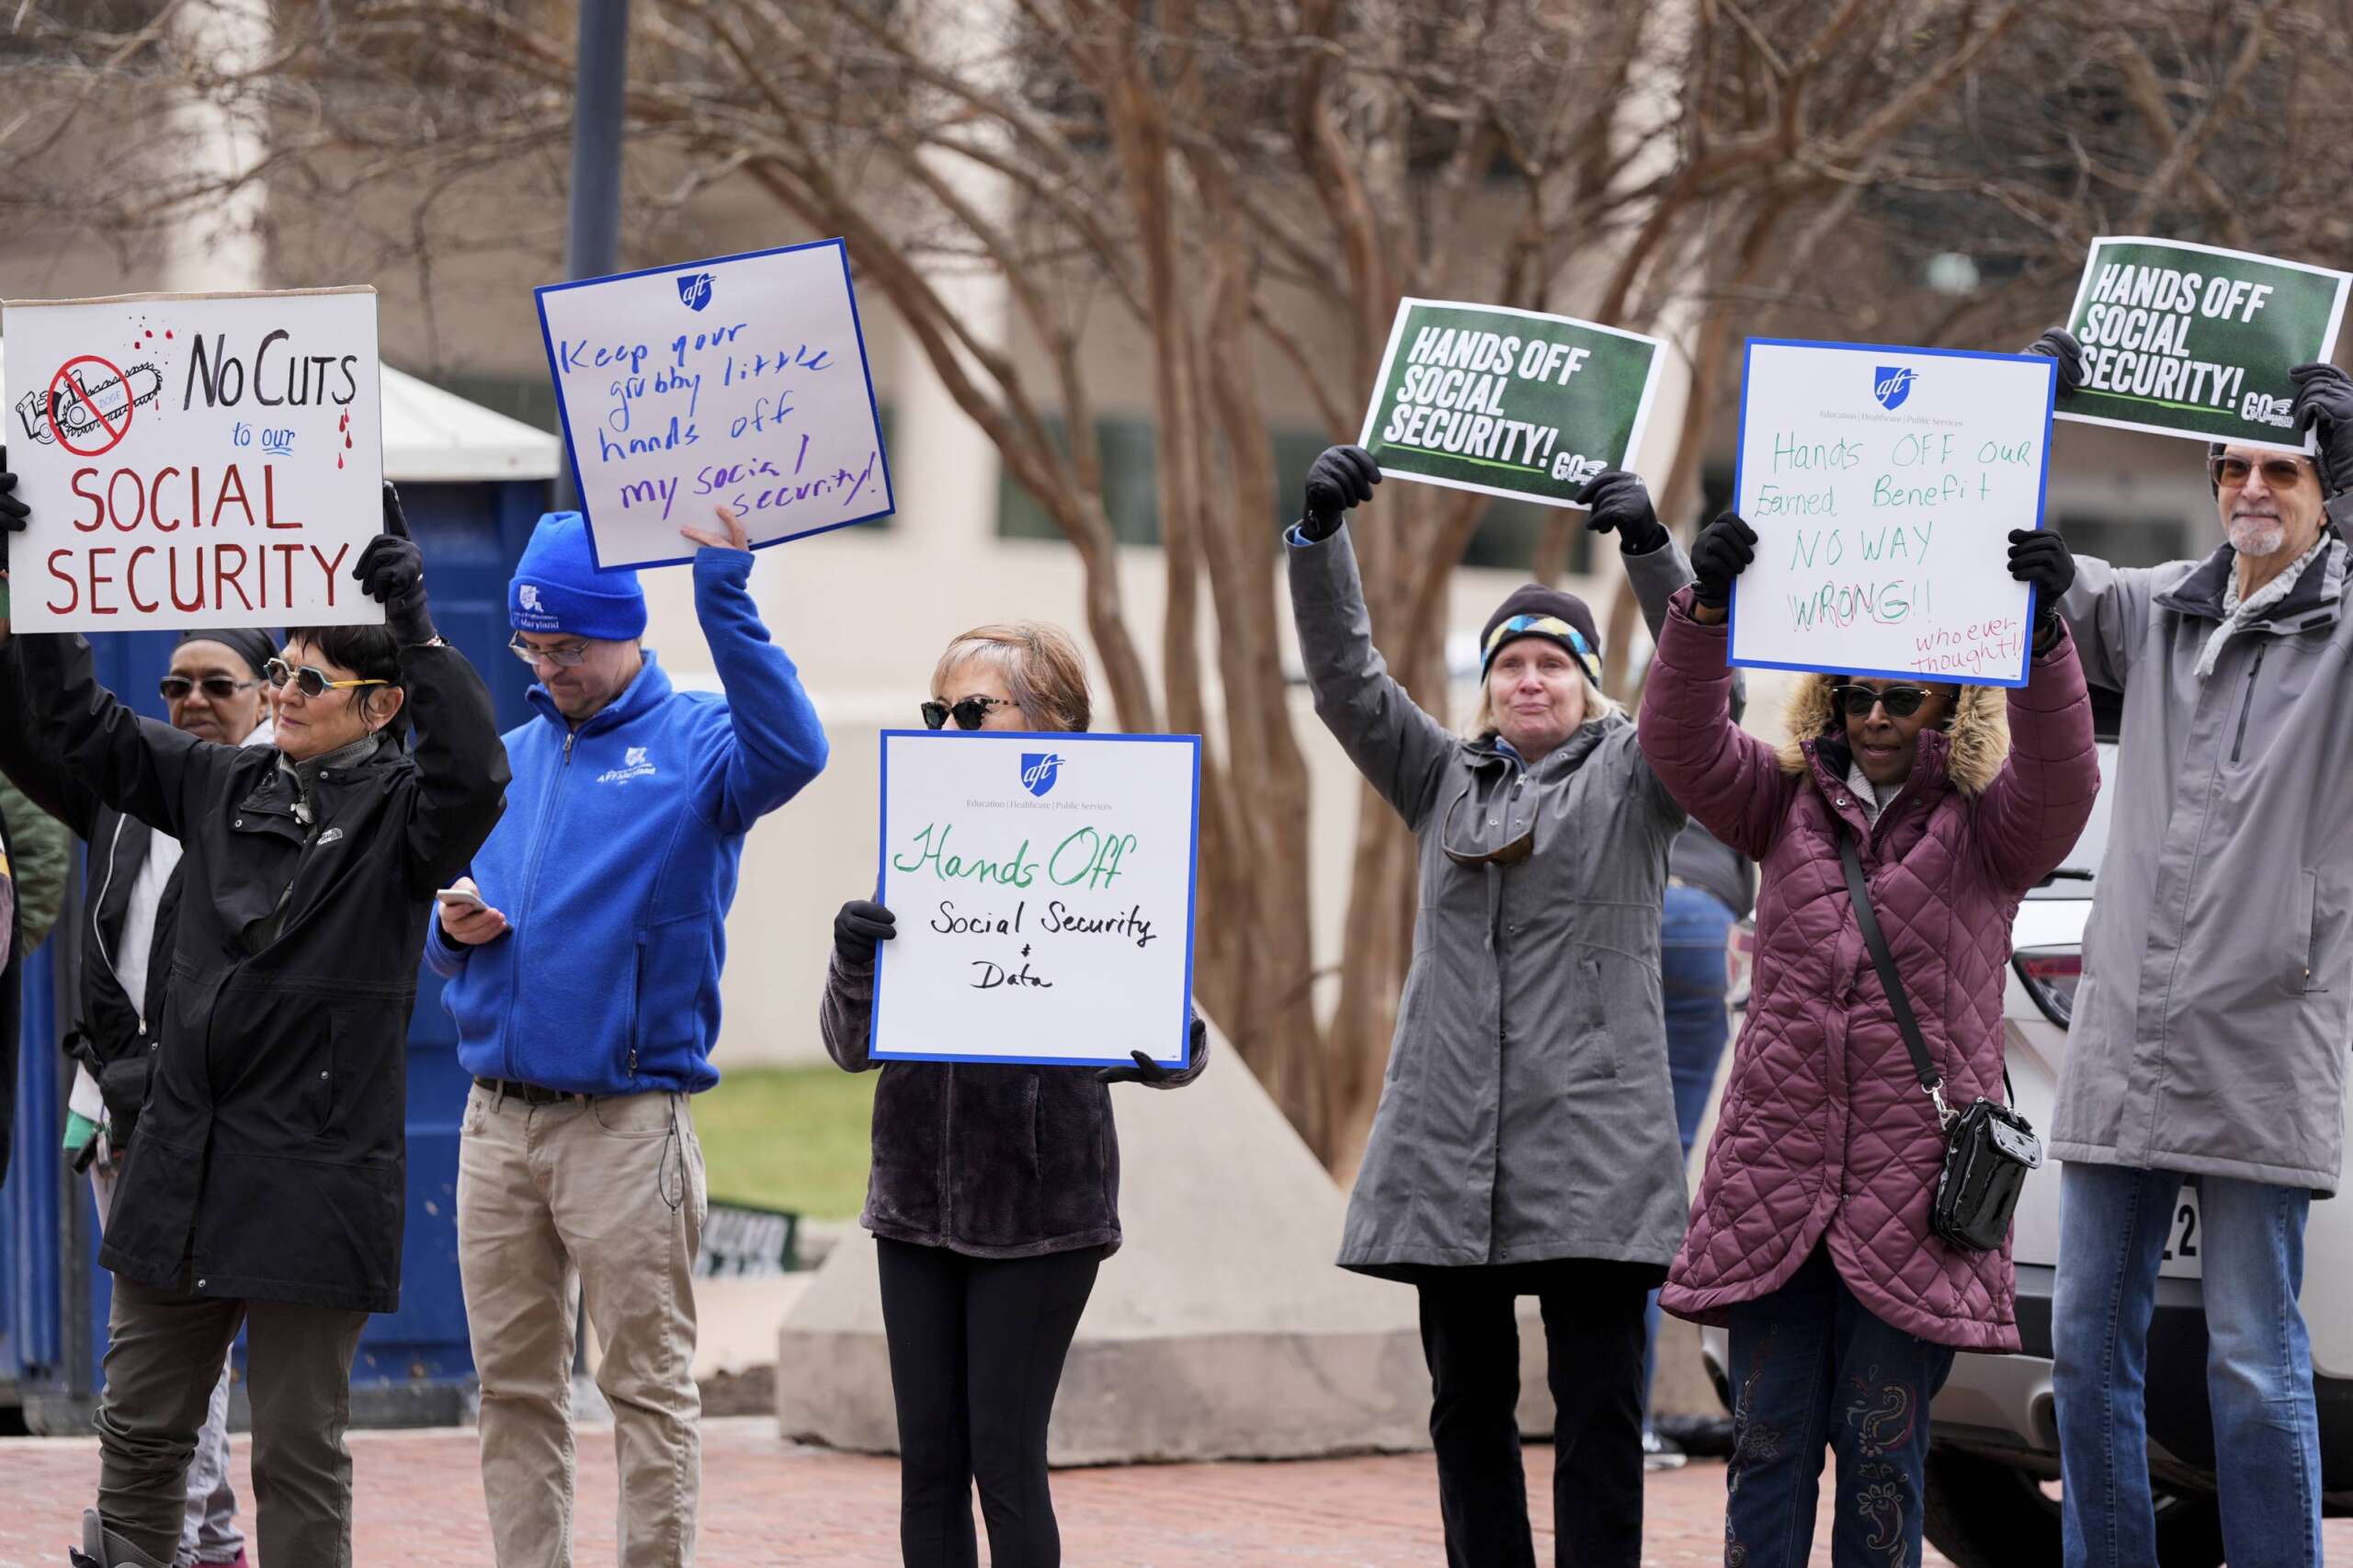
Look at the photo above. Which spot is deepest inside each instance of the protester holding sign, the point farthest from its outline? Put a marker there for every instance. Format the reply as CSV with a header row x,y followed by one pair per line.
x,y
1525,1140
2208,1038
995,1186
587,1018
1810,1236
216,691
264,1191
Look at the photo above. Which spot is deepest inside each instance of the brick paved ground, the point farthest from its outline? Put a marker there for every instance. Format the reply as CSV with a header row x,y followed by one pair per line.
x,y
766,1501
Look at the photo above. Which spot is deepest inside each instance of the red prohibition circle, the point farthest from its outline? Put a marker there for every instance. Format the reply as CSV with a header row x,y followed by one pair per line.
x,y
114,433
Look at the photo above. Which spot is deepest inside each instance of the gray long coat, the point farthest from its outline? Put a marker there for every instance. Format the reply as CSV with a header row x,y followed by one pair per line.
x,y
2210,1030
1526,1114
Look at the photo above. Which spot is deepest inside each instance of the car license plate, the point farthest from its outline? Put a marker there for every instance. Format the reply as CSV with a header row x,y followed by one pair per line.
x,y
2187,1241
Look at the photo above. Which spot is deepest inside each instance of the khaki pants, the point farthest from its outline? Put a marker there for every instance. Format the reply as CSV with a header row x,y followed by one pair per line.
x,y
607,1196
164,1355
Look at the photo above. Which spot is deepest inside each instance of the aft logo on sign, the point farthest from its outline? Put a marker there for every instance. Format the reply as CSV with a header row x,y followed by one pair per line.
x,y
1892,384
694,290
1039,770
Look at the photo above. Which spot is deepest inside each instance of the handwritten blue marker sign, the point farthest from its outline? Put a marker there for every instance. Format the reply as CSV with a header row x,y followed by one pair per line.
x,y
1883,484
741,380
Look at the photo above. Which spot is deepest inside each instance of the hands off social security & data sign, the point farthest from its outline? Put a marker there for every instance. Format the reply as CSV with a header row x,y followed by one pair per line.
x,y
1043,886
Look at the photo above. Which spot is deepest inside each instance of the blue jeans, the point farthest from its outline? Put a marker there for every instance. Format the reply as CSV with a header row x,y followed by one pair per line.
x,y
2114,1222
1692,935
1812,1368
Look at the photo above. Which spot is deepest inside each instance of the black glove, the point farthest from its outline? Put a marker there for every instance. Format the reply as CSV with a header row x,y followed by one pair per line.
x,y
1343,477
392,571
2041,557
1147,1071
2064,346
2325,402
1621,501
1724,548
860,924
14,514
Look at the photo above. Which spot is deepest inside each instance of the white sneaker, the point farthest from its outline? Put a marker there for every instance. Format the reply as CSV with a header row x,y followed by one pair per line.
x,y
1660,1454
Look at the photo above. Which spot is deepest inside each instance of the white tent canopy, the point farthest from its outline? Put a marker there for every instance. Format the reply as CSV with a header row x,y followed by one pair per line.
x,y
435,436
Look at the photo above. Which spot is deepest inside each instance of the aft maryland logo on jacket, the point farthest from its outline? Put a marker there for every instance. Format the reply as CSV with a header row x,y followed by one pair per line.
x,y
634,764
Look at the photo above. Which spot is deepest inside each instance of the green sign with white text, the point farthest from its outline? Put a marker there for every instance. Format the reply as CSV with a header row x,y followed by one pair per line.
x,y
1507,403
2191,341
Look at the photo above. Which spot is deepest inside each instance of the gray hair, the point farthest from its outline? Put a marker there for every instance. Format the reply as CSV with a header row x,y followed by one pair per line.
x,y
1039,664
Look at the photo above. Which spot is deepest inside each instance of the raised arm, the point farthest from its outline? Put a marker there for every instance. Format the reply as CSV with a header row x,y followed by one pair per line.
x,y
141,767
2035,809
1732,782
774,745
41,776
460,762
2032,813
462,770
1401,750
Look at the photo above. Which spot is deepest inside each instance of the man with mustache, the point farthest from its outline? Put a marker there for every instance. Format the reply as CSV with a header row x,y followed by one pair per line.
x,y
2207,1041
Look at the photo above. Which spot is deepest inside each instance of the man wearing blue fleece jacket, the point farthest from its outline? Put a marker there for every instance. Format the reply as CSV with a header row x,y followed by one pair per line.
x,y
585,983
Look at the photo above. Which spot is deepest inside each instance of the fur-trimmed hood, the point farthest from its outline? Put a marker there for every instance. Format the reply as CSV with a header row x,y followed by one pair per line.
x,y
1977,740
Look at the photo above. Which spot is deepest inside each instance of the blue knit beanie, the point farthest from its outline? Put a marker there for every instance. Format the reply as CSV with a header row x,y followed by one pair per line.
x,y
557,587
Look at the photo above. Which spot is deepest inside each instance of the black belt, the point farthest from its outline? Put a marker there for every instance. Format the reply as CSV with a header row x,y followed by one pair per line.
x,y
529,1094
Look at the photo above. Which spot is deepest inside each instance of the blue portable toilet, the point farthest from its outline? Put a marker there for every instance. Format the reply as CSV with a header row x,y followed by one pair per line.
x,y
473,482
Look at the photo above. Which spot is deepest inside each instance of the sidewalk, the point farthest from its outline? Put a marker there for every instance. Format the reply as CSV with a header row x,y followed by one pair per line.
x,y
768,1501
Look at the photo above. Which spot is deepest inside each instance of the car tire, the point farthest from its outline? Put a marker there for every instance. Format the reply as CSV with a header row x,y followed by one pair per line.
x,y
1982,1513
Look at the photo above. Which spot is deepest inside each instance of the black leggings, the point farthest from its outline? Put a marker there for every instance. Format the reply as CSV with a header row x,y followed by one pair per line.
x,y
976,1351
1593,1339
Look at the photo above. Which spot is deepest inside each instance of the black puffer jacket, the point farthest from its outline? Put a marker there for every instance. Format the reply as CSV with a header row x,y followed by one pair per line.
x,y
984,1158
271,1154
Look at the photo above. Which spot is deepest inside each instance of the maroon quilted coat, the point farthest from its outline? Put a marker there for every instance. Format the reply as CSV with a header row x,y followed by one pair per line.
x,y
1825,1132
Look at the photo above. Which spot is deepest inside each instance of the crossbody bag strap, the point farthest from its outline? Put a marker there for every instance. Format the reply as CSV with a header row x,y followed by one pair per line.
x,y
1899,1002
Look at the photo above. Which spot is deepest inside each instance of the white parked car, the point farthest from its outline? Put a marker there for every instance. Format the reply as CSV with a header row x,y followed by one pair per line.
x,y
1993,1478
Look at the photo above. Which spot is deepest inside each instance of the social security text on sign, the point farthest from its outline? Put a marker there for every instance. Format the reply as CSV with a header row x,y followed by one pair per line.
x,y
2193,341
738,382
1044,885
195,459
1883,485
1507,403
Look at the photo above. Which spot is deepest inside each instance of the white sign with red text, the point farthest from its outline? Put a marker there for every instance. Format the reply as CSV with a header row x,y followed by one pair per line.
x,y
193,459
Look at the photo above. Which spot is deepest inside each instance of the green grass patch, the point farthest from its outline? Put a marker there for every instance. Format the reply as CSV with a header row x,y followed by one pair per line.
x,y
789,1138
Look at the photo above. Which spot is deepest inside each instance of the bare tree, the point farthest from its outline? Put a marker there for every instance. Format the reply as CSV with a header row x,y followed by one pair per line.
x,y
1238,177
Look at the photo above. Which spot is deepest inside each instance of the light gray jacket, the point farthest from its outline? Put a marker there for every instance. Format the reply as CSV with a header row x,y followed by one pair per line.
x,y
1527,1113
2210,1030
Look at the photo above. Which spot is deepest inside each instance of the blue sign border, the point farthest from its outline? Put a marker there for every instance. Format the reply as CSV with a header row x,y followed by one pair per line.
x,y
2041,498
563,413
1184,1053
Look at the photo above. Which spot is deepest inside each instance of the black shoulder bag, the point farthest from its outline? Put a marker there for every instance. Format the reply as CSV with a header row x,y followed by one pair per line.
x,y
1989,1148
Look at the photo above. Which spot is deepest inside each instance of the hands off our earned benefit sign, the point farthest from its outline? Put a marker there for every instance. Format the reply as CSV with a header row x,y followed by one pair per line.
x,y
740,382
1883,485
2188,340
1043,886
195,459
1505,402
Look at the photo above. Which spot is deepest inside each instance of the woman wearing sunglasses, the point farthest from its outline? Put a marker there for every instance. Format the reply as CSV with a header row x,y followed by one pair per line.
x,y
996,1189
1525,1140
1810,1239
265,1188
214,692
